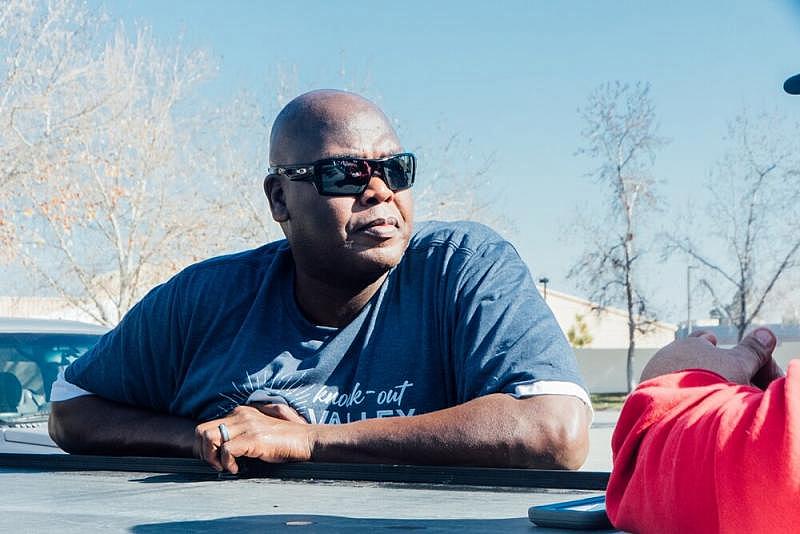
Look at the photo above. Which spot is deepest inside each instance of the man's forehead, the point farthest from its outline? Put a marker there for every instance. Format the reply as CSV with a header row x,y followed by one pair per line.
x,y
313,148
371,147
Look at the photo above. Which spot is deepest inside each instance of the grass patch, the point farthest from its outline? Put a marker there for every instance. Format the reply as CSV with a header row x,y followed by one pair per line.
x,y
608,401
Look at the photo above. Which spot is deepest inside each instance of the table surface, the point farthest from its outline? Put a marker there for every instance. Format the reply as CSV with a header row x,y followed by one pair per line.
x,y
36,500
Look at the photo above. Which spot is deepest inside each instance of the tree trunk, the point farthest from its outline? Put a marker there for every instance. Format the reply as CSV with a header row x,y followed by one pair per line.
x,y
631,324
742,326
631,349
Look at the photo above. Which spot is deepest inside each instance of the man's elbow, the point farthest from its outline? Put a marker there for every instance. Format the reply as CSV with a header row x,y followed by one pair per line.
x,y
62,429
559,441
567,444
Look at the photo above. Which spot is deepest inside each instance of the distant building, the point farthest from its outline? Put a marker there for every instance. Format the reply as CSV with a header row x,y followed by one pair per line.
x,y
107,283
42,308
607,327
727,334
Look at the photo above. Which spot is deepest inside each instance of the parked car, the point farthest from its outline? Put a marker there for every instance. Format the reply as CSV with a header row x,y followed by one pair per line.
x,y
32,351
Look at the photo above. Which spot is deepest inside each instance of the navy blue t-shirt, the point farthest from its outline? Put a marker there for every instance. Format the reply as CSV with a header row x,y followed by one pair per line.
x,y
459,317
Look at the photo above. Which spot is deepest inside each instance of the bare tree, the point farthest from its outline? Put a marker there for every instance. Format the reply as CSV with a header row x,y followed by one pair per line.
x,y
106,201
753,215
621,135
43,101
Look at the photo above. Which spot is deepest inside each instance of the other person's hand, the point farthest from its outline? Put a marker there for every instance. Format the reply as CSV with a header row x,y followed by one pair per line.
x,y
269,433
749,362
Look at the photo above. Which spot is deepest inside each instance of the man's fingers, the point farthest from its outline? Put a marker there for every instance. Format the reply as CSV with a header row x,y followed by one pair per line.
x,y
209,439
242,446
708,336
248,446
759,344
228,458
206,447
208,444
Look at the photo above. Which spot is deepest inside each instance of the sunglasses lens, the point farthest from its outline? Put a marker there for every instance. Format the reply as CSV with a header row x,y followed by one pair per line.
x,y
342,177
399,172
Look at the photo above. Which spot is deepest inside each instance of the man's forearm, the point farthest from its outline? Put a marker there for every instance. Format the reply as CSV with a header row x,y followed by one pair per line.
x,y
547,431
93,425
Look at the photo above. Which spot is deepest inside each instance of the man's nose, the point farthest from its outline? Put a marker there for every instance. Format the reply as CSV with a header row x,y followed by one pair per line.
x,y
377,191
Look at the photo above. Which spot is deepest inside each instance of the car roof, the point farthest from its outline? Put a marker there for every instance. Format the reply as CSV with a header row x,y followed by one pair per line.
x,y
151,495
20,325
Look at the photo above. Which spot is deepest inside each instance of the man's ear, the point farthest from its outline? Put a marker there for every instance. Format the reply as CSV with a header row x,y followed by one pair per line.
x,y
273,187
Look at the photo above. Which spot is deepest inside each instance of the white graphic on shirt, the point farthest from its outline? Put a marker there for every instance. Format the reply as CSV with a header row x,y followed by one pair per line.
x,y
319,403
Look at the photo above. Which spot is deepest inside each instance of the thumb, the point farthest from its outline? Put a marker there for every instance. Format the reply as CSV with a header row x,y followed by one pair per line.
x,y
759,343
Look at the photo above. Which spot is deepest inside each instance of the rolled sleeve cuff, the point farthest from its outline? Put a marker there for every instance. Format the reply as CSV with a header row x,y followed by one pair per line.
x,y
553,387
63,390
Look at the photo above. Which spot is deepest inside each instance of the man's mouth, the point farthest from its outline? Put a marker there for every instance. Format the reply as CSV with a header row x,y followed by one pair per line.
x,y
380,227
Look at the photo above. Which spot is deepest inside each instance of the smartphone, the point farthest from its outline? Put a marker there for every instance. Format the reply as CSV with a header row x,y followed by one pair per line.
x,y
589,514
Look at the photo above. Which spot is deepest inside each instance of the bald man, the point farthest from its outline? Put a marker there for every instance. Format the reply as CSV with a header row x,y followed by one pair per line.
x,y
357,338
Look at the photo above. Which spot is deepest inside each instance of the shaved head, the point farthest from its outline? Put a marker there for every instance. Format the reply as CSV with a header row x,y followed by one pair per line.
x,y
326,123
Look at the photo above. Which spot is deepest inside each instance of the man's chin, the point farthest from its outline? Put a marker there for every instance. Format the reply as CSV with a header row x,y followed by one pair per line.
x,y
381,259
376,260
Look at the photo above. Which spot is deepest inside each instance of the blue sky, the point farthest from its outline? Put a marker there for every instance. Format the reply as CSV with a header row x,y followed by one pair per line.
x,y
509,77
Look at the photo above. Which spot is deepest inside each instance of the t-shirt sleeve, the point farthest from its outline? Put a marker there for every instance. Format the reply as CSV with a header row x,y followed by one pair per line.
x,y
136,362
506,339
695,453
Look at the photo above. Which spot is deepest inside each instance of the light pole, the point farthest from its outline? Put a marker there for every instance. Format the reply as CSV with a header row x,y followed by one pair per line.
x,y
544,281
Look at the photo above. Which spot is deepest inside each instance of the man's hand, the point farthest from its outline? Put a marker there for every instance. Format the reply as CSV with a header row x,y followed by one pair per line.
x,y
272,433
749,362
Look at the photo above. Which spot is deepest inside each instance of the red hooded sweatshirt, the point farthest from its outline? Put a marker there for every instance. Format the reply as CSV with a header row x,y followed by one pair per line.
x,y
696,453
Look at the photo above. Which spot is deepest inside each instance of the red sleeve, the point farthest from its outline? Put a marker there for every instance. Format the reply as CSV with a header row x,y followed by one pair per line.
x,y
695,453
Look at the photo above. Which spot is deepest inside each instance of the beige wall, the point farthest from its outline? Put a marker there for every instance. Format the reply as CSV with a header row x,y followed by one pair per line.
x,y
609,327
603,370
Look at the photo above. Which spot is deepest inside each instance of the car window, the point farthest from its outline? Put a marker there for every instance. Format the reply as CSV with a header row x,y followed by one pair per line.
x,y
29,364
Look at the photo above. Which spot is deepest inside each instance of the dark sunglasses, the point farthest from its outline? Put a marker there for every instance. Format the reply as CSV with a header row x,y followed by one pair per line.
x,y
337,177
